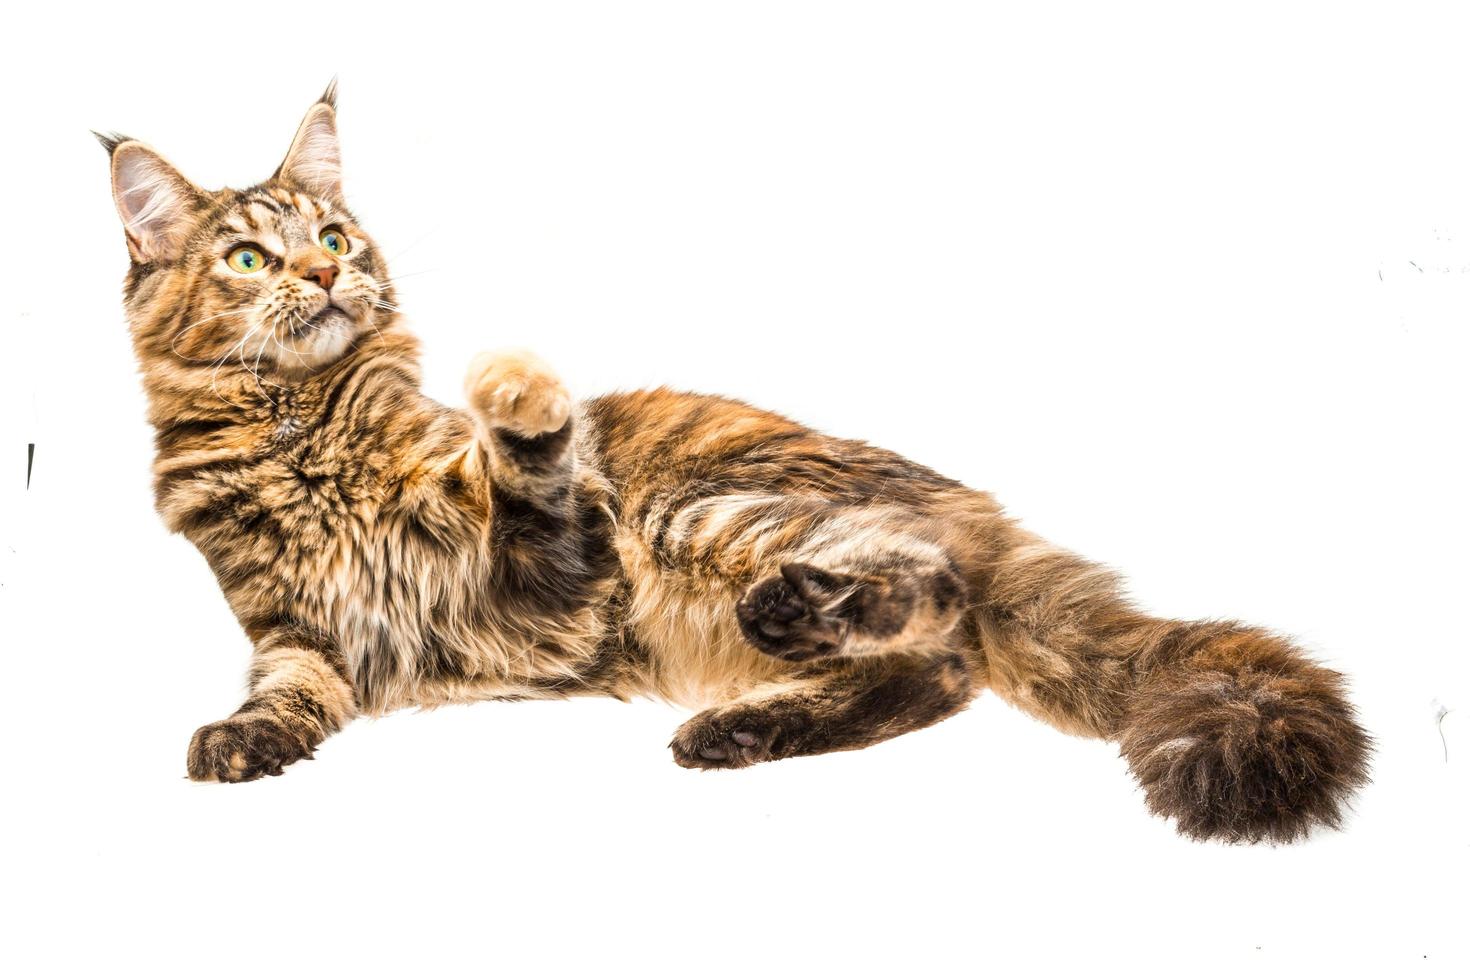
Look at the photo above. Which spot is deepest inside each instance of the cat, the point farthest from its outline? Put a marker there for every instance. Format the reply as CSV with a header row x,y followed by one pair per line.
x,y
808,594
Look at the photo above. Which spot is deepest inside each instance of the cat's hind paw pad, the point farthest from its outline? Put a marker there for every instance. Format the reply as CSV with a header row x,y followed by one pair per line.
x,y
722,739
800,614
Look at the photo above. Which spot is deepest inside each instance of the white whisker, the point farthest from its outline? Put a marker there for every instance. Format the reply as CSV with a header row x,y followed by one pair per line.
x,y
173,342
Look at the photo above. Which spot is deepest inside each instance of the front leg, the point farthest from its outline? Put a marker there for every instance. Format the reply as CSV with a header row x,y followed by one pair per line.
x,y
523,414
299,694
550,525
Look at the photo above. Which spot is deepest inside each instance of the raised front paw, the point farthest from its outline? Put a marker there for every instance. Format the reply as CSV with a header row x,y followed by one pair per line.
x,y
808,612
516,390
245,747
739,736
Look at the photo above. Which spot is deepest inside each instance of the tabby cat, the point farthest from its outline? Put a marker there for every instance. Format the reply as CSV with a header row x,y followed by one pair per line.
x,y
807,594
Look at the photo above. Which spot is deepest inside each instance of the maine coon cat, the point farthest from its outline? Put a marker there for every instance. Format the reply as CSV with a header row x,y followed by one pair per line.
x,y
805,593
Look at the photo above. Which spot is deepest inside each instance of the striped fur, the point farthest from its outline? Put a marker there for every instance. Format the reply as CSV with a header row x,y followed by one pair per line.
x,y
808,594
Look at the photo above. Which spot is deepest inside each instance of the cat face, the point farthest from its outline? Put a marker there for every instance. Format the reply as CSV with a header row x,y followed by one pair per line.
x,y
277,278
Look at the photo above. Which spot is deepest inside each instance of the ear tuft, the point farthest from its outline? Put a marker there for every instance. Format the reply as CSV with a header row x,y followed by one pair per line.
x,y
153,199
314,161
111,141
330,95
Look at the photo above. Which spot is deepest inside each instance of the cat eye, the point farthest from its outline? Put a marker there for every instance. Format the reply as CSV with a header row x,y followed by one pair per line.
x,y
334,241
246,259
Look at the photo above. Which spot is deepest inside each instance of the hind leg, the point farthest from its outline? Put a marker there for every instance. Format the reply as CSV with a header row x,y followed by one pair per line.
x,y
832,707
816,579
852,605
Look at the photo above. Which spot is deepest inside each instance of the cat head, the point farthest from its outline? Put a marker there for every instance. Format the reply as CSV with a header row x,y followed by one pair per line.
x,y
279,277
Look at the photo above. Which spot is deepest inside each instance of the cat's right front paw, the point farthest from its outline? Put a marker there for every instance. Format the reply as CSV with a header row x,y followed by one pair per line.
x,y
516,390
244,747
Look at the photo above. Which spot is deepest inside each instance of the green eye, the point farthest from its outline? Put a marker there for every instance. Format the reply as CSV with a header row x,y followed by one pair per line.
x,y
247,259
334,241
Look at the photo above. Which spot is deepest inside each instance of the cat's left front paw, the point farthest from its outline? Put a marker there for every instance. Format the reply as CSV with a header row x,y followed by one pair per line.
x,y
517,390
244,747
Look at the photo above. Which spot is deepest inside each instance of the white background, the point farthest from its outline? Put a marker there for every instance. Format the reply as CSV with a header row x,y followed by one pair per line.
x,y
1189,293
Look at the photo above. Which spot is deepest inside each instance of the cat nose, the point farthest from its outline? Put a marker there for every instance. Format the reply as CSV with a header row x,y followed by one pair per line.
x,y
324,275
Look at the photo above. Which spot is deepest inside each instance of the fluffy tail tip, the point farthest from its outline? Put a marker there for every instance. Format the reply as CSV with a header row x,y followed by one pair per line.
x,y
1252,743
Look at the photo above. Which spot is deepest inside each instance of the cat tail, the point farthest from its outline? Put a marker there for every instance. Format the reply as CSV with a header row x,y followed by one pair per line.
x,y
1230,729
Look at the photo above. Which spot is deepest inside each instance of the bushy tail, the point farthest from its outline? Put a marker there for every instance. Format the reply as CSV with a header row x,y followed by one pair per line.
x,y
1245,740
1230,729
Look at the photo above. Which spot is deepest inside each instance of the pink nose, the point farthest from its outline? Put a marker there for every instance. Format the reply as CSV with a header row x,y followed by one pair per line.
x,y
324,275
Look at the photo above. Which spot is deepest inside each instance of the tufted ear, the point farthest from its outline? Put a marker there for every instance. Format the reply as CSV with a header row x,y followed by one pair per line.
x,y
153,199
314,161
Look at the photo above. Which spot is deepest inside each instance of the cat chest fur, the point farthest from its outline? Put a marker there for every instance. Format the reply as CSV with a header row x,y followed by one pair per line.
x,y
405,584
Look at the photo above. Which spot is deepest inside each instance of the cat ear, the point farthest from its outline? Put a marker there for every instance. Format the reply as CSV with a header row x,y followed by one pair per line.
x,y
153,199
314,161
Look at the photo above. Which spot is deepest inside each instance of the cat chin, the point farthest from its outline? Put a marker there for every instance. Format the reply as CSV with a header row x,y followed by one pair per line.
x,y
327,336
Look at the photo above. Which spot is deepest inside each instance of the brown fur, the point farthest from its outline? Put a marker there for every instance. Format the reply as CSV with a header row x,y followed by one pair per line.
x,y
811,594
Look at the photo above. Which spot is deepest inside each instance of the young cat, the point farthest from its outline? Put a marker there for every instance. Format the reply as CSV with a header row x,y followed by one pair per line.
x,y
809,594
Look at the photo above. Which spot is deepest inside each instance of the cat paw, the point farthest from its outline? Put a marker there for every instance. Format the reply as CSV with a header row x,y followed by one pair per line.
x,y
800,614
808,612
516,390
244,747
725,738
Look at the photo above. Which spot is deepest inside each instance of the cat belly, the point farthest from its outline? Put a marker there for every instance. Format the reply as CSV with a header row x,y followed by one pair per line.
x,y
404,649
691,651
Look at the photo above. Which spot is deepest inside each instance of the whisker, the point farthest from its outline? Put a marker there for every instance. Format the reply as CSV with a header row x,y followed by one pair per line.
x,y
296,353
289,350
409,247
256,371
179,335
407,275
214,376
